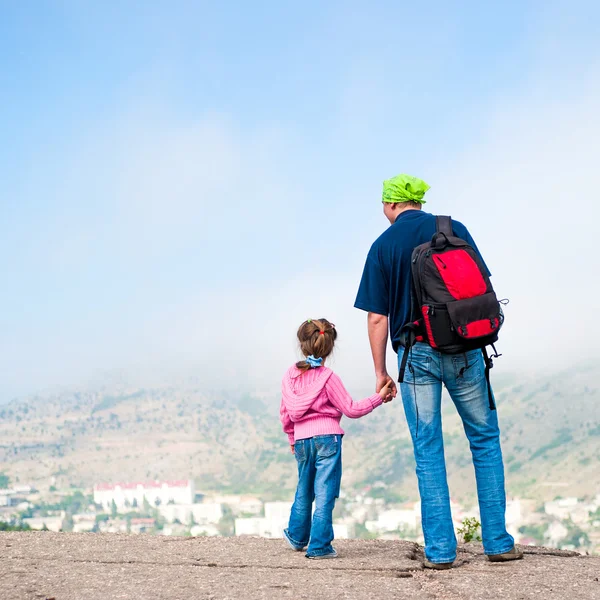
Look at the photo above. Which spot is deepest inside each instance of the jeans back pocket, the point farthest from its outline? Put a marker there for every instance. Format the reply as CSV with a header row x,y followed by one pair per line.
x,y
468,368
300,450
419,369
326,445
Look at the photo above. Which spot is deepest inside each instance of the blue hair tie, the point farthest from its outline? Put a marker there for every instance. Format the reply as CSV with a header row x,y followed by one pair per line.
x,y
314,362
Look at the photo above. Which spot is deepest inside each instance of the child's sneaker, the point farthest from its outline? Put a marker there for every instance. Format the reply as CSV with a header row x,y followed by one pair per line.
x,y
332,554
292,545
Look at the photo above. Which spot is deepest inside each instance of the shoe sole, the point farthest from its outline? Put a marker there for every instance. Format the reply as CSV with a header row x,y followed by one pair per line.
x,y
323,556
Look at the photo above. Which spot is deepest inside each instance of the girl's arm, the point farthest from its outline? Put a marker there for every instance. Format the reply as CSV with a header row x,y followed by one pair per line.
x,y
342,400
288,425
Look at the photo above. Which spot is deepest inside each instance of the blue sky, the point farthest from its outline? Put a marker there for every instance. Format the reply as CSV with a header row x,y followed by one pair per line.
x,y
182,183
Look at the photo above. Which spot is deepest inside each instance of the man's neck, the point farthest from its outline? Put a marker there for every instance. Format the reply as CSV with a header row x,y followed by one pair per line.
x,y
404,210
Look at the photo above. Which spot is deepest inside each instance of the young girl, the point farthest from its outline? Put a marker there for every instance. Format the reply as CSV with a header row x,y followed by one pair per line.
x,y
312,404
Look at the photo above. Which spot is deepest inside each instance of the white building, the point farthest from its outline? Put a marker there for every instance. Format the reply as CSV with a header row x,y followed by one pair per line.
x,y
249,526
561,509
202,514
394,520
555,533
231,500
343,531
83,522
113,526
50,523
208,530
279,511
248,505
156,493
359,513
141,525
6,497
277,515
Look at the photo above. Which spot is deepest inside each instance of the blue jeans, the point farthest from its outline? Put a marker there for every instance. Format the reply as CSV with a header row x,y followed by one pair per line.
x,y
464,378
319,476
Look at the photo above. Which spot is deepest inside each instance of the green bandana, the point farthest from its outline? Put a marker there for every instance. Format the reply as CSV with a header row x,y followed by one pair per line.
x,y
404,188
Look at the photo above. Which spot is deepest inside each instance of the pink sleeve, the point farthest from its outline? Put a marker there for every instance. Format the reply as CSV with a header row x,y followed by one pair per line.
x,y
342,400
288,426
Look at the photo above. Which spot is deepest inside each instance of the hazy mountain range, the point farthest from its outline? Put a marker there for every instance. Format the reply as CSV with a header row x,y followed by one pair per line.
x,y
233,442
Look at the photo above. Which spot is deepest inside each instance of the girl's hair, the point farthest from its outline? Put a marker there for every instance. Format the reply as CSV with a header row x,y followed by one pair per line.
x,y
317,338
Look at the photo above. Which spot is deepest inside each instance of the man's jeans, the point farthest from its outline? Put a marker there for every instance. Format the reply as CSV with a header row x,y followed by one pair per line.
x,y
464,377
319,475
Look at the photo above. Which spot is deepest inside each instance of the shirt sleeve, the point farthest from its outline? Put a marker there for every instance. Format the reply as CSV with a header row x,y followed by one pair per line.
x,y
341,399
373,293
286,421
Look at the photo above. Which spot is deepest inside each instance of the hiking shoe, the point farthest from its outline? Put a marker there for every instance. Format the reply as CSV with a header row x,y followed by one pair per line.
x,y
332,554
437,566
512,554
290,543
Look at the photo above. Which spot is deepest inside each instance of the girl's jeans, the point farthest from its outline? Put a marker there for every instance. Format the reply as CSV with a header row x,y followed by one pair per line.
x,y
319,475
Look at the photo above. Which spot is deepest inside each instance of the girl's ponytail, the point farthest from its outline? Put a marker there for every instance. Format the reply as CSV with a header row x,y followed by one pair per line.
x,y
317,339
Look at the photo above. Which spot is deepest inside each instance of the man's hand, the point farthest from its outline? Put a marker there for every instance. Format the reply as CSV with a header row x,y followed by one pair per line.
x,y
292,448
383,380
378,336
385,393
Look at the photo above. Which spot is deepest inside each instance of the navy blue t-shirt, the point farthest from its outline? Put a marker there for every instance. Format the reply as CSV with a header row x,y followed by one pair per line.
x,y
385,287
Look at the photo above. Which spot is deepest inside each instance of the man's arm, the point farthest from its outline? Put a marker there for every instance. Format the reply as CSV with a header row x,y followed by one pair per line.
x,y
378,337
373,298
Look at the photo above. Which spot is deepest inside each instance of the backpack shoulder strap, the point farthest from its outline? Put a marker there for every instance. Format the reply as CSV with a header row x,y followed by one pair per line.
x,y
444,225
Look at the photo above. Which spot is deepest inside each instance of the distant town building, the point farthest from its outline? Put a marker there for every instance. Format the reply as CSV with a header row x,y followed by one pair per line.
x,y
395,520
6,497
276,519
50,523
278,511
141,525
555,533
250,526
561,508
84,522
201,514
240,505
343,531
207,530
156,493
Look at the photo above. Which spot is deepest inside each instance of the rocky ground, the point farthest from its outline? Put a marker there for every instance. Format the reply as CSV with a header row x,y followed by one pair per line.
x,y
64,566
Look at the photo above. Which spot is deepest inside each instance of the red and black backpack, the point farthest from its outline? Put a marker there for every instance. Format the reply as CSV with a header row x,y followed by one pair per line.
x,y
454,306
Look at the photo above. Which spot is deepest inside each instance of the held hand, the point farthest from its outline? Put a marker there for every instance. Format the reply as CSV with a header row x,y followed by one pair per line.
x,y
386,391
382,381
292,448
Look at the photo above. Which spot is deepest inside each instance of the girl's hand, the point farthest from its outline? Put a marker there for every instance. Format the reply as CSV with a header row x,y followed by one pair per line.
x,y
292,448
386,393
383,380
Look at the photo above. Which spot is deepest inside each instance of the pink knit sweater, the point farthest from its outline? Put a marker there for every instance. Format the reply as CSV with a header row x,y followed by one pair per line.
x,y
313,402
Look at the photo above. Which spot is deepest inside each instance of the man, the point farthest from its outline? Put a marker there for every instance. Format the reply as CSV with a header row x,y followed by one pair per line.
x,y
385,293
